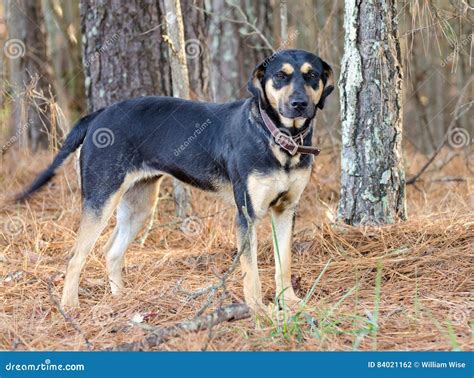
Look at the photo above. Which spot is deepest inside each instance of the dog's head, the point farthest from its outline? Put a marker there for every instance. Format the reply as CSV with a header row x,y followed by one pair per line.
x,y
293,82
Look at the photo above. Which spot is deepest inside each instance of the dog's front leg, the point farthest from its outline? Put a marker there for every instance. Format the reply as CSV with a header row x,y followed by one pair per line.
x,y
247,244
283,222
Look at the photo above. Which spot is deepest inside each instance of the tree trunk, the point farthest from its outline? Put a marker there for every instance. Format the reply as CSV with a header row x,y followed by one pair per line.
x,y
30,74
224,41
235,46
180,82
63,25
123,51
373,179
283,21
197,50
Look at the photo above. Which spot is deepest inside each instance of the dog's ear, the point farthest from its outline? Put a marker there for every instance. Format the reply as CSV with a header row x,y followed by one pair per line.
x,y
255,83
328,80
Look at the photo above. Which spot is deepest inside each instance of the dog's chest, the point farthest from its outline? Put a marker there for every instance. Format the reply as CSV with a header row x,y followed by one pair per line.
x,y
276,188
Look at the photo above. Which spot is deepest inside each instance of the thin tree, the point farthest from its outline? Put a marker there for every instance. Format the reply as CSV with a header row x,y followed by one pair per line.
x,y
180,82
30,74
196,34
373,178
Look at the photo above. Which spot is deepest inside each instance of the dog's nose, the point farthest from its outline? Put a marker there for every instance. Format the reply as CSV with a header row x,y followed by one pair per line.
x,y
299,104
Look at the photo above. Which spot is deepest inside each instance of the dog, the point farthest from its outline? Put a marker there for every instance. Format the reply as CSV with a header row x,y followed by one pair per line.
x,y
257,151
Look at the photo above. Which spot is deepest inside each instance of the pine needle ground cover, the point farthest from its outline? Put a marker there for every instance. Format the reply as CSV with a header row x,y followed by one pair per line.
x,y
407,286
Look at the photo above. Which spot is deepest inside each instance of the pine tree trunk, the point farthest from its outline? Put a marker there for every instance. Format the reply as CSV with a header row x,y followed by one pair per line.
x,y
373,179
224,37
123,51
29,65
235,47
180,82
196,46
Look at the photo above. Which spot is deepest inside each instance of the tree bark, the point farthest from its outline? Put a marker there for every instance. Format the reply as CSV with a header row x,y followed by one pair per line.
x,y
283,21
180,82
123,51
63,25
235,47
196,46
30,74
373,179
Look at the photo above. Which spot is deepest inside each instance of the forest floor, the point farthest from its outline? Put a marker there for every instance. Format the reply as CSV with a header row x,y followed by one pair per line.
x,y
407,286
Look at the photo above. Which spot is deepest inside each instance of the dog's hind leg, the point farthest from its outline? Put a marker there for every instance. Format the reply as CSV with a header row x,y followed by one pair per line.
x,y
93,221
134,209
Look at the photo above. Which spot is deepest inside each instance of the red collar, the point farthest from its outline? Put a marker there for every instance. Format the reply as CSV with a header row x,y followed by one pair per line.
x,y
292,144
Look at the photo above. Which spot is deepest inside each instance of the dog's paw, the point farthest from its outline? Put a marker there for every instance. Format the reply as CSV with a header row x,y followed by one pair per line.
x,y
292,302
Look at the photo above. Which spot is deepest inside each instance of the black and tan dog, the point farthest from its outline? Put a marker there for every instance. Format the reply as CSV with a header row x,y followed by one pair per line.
x,y
257,150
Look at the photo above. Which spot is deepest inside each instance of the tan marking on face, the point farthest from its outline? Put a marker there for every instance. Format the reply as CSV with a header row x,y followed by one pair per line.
x,y
314,94
277,96
287,68
306,67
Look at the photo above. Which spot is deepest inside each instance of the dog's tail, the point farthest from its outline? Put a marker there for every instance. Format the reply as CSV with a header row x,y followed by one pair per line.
x,y
71,144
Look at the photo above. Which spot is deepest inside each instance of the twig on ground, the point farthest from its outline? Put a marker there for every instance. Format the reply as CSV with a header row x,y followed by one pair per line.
x,y
212,289
66,317
232,312
450,179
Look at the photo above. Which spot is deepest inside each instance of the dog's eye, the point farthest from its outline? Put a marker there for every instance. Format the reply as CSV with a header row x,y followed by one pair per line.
x,y
313,75
280,75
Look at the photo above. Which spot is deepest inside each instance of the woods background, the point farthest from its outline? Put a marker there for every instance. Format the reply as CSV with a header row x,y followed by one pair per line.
x,y
405,286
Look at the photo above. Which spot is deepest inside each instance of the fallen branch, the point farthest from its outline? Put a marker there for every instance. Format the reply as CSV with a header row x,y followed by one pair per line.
x,y
66,317
212,289
450,179
232,312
